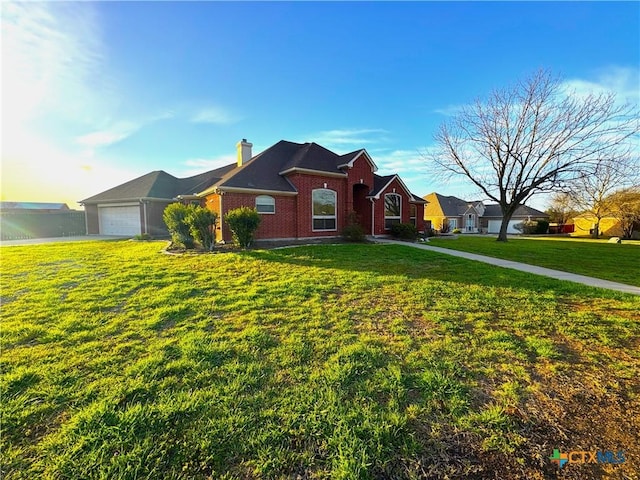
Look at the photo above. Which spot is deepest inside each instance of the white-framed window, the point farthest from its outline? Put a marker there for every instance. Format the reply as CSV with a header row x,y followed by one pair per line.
x,y
265,204
392,210
453,223
413,215
324,209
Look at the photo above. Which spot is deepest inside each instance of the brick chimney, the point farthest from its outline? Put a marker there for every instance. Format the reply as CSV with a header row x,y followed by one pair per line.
x,y
244,151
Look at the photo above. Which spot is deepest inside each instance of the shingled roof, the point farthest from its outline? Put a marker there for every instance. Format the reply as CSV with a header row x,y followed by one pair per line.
x,y
494,210
160,185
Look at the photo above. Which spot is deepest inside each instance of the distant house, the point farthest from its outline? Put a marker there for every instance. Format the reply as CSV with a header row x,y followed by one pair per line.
x,y
473,216
585,224
23,220
300,191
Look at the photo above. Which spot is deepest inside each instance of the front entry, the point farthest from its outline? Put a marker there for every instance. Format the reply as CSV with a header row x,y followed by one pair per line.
x,y
362,206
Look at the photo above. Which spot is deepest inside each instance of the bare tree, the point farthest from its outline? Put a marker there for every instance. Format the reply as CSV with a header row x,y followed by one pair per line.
x,y
592,194
626,208
531,138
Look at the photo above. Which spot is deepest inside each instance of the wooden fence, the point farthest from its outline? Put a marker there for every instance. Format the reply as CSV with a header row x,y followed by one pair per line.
x,y
25,225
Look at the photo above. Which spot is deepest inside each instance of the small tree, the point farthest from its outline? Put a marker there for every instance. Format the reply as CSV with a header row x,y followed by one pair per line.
x,y
243,222
446,226
202,226
174,217
561,209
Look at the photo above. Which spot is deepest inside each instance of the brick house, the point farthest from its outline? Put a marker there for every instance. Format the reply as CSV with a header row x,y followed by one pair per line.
x,y
300,190
308,191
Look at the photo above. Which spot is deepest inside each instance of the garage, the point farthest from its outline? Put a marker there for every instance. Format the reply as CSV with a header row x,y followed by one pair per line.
x,y
119,220
494,226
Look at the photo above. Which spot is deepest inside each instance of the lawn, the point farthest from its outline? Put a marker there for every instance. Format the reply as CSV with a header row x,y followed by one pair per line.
x,y
594,258
341,362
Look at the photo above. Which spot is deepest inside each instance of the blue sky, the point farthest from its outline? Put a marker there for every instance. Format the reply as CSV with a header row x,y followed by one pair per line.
x,y
94,94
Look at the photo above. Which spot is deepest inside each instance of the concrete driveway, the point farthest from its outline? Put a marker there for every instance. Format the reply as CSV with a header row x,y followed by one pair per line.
x,y
80,238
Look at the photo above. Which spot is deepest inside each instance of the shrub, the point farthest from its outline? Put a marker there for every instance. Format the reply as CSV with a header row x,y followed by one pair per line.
x,y
542,227
174,217
456,230
353,232
202,225
243,222
446,226
404,231
142,236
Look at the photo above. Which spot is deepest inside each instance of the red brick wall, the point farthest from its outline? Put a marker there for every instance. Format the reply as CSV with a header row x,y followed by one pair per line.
x,y
379,207
305,184
282,224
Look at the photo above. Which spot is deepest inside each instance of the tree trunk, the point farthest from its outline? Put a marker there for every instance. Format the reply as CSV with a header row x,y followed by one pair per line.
x,y
506,218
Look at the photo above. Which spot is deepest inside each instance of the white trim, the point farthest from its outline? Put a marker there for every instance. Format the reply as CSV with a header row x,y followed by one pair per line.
x,y
124,204
256,191
394,217
313,172
325,217
395,177
353,160
273,204
373,216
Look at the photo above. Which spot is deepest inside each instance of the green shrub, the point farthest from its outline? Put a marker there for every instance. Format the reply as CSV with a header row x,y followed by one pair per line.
x,y
202,225
174,217
404,231
243,222
353,232
142,236
542,228
456,231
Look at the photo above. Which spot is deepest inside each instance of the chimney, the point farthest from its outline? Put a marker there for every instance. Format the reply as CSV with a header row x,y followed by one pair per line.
x,y
244,151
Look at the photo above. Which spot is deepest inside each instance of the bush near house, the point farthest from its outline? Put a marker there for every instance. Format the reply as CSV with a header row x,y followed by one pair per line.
x,y
404,231
353,232
243,222
174,217
202,225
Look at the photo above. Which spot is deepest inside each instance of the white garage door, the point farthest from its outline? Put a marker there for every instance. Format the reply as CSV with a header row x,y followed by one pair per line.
x,y
494,226
120,220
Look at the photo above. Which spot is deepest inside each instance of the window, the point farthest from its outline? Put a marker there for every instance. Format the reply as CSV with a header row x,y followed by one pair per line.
x,y
392,209
412,214
265,204
453,223
324,209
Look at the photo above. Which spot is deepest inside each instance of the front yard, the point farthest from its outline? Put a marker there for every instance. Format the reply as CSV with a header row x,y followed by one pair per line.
x,y
347,361
594,258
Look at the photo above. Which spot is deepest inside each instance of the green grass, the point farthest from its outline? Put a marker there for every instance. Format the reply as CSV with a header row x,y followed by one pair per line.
x,y
347,362
594,258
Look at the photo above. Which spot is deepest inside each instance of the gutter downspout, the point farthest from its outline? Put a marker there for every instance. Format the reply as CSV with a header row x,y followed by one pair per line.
x,y
146,221
373,218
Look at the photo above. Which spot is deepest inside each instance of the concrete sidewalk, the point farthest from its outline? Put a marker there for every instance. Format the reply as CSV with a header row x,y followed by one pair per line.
x,y
523,267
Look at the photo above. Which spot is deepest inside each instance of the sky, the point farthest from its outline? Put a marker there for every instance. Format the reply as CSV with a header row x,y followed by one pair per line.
x,y
98,93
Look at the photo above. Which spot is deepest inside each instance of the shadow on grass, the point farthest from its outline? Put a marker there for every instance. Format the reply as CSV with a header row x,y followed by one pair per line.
x,y
412,263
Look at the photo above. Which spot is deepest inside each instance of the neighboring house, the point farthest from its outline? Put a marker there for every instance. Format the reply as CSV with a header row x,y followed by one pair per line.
x,y
300,191
22,220
585,224
474,216
136,207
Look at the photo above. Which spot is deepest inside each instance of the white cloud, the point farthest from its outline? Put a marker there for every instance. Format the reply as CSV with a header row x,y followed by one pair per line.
x,y
216,115
103,138
345,138
200,165
624,82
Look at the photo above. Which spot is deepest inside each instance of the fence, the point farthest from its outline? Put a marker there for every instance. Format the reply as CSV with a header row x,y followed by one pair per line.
x,y
24,225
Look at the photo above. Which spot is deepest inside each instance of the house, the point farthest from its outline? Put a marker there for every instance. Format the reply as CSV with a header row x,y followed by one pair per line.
x,y
610,226
301,190
136,207
473,216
